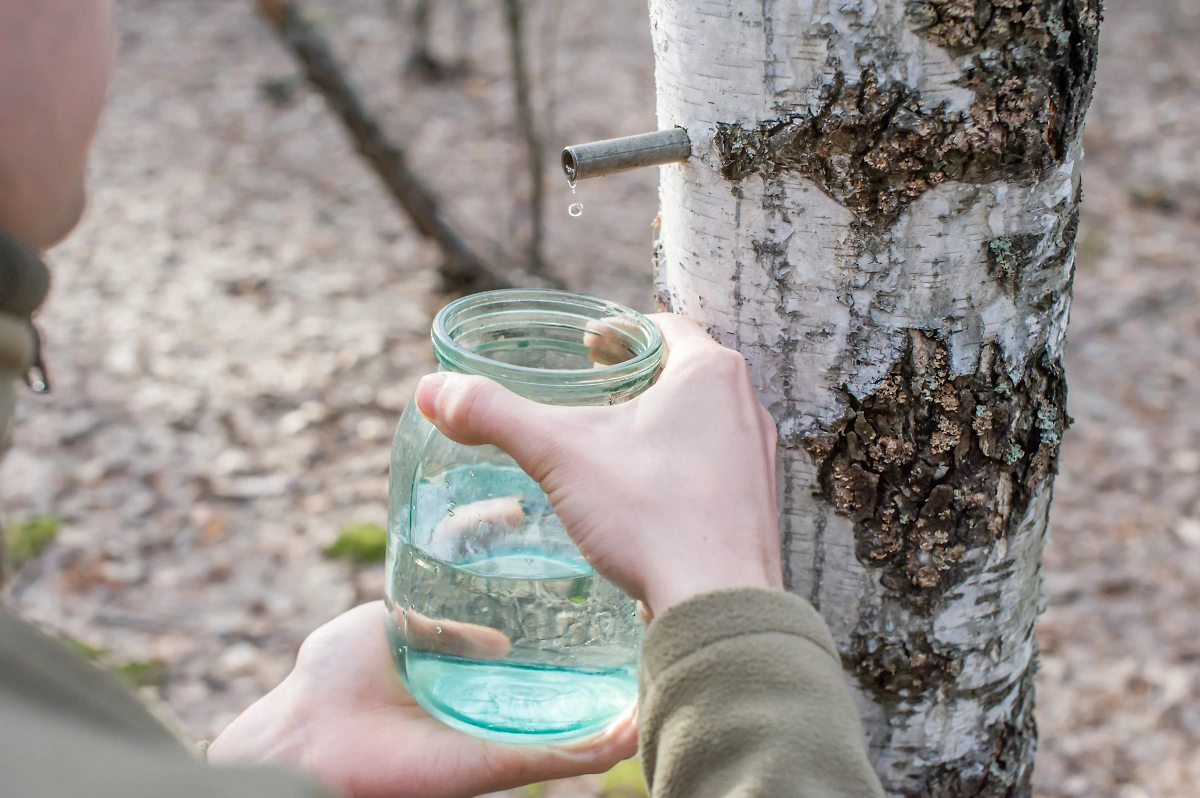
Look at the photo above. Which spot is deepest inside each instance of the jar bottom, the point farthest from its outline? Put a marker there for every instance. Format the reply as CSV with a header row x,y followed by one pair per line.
x,y
517,703
498,625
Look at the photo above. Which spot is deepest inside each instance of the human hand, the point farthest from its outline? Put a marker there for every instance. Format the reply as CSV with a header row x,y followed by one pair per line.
x,y
669,495
344,717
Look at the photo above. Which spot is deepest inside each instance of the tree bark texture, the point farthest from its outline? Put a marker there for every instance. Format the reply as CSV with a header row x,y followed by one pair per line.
x,y
880,214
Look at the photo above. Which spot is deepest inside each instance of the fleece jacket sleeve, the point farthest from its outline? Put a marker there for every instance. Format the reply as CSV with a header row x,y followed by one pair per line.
x,y
743,696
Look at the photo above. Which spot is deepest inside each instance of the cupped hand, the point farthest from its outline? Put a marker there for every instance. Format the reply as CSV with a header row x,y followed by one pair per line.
x,y
669,495
344,717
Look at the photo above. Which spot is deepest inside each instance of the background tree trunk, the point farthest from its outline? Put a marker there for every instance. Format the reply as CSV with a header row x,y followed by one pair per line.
x,y
880,213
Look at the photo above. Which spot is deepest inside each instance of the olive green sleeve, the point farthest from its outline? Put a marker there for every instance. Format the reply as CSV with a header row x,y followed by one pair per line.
x,y
68,729
742,694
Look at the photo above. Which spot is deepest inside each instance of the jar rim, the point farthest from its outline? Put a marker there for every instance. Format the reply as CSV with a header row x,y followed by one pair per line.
x,y
454,356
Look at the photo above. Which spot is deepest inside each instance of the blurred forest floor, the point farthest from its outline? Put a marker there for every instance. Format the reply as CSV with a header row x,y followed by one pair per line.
x,y
241,318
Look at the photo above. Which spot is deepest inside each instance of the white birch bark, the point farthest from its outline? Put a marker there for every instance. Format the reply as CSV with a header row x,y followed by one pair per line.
x,y
829,296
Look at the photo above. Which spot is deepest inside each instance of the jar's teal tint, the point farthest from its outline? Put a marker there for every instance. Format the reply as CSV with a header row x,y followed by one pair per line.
x,y
498,625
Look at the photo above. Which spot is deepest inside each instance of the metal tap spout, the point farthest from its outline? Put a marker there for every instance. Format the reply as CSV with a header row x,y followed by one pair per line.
x,y
598,158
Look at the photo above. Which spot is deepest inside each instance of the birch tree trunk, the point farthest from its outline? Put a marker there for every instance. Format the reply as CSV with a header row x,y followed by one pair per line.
x,y
880,214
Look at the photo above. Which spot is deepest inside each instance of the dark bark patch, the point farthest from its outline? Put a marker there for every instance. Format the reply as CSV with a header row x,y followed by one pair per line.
x,y
1005,257
931,466
772,256
874,145
934,469
900,665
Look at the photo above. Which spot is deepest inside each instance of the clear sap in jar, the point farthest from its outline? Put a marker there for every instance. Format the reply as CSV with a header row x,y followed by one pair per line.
x,y
498,625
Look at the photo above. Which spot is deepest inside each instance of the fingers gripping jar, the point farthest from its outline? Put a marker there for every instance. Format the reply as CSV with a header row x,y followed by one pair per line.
x,y
498,625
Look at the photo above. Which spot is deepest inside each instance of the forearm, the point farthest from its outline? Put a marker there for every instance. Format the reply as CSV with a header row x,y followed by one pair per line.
x,y
742,694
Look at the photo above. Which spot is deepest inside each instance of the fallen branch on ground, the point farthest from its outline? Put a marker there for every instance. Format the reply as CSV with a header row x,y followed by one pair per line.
x,y
462,271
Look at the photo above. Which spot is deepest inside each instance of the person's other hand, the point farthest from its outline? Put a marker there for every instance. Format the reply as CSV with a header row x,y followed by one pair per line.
x,y
669,495
344,717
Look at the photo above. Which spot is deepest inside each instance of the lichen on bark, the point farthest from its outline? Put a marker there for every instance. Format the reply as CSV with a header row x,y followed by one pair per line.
x,y
933,469
875,144
931,464
1005,255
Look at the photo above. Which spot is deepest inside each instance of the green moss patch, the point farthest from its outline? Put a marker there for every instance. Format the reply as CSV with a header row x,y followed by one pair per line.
x,y
360,543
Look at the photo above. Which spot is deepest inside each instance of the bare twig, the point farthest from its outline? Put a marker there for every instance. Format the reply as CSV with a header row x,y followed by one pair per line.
x,y
528,126
421,61
464,29
462,271
421,58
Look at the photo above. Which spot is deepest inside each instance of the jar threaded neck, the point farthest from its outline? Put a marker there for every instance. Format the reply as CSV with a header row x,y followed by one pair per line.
x,y
555,347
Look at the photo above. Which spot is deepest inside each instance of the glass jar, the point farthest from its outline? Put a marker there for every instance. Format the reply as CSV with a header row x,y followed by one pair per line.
x,y
498,625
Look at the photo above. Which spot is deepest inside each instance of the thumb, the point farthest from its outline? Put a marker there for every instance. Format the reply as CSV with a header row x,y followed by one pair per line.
x,y
474,410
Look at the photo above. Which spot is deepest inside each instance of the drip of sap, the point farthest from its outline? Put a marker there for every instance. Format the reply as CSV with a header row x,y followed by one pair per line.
x,y
575,208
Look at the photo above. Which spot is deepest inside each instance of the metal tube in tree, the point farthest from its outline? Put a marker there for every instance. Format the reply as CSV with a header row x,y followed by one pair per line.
x,y
610,156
